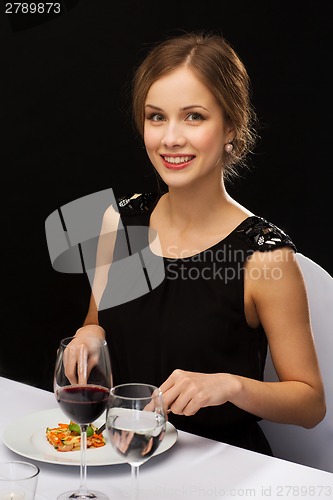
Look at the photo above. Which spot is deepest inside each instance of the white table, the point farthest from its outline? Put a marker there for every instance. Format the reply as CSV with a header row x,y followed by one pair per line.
x,y
194,468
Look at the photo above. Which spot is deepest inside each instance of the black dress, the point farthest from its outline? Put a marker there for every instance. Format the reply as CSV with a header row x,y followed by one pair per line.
x,y
193,319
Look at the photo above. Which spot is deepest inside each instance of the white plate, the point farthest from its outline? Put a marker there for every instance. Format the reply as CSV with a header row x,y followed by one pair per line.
x,y
26,436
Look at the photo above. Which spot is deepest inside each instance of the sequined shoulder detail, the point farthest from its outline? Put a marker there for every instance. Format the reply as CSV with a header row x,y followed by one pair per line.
x,y
137,204
263,235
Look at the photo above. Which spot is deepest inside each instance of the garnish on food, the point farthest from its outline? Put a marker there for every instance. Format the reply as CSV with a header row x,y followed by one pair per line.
x,y
67,437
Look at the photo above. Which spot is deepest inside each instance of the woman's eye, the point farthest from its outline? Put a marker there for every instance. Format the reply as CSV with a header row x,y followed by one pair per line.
x,y
155,117
193,117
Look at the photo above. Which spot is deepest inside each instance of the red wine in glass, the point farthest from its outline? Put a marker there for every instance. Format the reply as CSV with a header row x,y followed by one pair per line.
x,y
83,403
82,382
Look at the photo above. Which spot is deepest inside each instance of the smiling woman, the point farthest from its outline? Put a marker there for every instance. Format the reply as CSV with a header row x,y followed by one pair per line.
x,y
228,88
187,133
201,335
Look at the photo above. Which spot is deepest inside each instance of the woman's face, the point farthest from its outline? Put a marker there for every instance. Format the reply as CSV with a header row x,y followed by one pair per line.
x,y
184,129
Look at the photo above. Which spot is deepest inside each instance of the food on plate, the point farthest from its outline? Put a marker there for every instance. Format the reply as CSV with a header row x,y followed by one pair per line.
x,y
67,437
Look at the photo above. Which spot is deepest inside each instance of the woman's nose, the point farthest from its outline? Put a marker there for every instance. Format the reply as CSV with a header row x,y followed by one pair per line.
x,y
173,136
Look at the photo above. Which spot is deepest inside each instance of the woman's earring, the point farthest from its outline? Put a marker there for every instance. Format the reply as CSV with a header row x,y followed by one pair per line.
x,y
228,147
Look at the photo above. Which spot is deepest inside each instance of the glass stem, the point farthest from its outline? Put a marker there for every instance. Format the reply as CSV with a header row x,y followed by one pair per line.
x,y
83,465
135,481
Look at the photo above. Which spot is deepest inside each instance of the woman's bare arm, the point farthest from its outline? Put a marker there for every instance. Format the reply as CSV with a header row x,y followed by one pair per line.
x,y
91,330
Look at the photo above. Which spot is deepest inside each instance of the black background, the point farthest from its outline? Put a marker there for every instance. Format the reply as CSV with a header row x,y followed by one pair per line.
x,y
66,133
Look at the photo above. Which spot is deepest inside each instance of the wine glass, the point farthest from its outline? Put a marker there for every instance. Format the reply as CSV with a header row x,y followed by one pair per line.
x,y
83,397
136,423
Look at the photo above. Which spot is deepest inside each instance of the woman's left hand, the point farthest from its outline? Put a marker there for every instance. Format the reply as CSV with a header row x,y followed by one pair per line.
x,y
184,392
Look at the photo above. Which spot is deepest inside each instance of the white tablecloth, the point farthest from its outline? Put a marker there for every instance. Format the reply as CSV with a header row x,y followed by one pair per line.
x,y
194,468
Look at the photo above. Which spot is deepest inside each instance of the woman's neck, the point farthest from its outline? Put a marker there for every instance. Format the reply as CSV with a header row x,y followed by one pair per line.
x,y
188,221
193,206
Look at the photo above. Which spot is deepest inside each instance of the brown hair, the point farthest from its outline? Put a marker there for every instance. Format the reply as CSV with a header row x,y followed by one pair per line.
x,y
216,64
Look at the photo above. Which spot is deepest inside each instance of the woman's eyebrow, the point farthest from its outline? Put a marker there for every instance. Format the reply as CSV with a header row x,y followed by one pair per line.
x,y
185,108
152,106
191,106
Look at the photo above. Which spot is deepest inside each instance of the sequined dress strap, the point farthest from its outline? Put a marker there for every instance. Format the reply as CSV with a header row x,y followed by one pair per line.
x,y
137,204
262,235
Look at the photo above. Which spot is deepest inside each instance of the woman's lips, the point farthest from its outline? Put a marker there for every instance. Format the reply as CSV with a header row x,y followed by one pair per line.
x,y
176,162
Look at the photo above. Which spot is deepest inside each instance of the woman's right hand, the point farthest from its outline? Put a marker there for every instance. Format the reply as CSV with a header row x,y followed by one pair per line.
x,y
81,354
